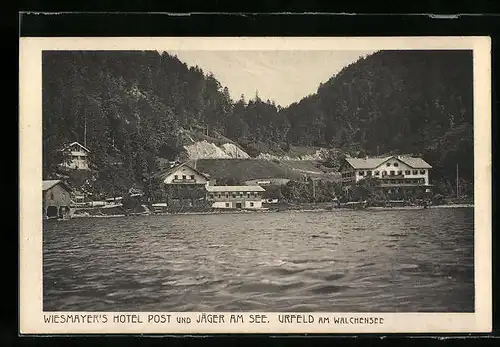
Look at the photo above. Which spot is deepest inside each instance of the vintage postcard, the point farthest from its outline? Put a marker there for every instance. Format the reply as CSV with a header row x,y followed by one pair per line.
x,y
255,185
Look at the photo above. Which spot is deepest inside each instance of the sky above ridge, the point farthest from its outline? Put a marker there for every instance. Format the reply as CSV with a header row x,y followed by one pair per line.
x,y
282,76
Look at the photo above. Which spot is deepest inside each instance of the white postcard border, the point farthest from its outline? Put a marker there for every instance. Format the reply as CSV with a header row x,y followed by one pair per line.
x,y
30,144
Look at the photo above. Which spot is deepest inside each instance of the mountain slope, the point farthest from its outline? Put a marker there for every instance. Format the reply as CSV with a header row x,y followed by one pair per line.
x,y
131,105
416,102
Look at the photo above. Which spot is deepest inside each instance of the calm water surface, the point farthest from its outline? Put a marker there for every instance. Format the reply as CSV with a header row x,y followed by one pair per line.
x,y
380,261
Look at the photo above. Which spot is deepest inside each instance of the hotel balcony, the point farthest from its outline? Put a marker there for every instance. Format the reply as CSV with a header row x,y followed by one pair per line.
x,y
400,181
234,197
187,180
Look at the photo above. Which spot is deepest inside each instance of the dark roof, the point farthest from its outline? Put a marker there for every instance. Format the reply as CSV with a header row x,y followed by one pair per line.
x,y
366,163
417,163
48,184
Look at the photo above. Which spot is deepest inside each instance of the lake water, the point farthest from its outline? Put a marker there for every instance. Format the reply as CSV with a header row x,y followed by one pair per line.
x,y
339,261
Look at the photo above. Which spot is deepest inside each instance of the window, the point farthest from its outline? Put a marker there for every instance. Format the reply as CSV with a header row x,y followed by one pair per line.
x,y
396,164
388,164
407,172
368,173
361,173
192,177
51,195
176,177
384,173
183,177
227,204
248,195
392,172
251,204
422,172
234,195
227,196
377,173
220,195
241,195
415,172
400,172
211,196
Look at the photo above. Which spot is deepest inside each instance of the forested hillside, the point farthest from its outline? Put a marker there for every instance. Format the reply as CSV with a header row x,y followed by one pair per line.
x,y
418,102
137,105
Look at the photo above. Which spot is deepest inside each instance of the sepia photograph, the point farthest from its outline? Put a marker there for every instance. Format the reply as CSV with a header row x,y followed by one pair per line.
x,y
272,180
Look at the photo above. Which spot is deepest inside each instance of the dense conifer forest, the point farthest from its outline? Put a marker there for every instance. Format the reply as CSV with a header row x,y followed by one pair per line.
x,y
132,108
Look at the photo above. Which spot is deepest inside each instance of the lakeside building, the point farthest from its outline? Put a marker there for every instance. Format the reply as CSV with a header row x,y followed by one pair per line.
x,y
55,199
395,173
78,156
184,185
235,197
185,174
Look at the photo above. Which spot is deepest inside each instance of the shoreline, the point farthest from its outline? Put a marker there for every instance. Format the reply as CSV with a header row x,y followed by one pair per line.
x,y
270,210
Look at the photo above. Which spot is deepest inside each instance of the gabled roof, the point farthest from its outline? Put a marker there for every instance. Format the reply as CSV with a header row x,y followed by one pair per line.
x,y
46,185
373,162
164,174
78,144
235,189
366,163
417,163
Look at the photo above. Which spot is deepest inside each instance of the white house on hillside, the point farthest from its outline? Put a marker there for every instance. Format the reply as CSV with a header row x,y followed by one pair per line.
x,y
392,171
185,174
78,156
